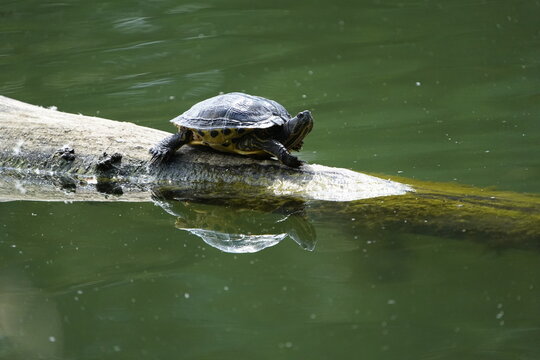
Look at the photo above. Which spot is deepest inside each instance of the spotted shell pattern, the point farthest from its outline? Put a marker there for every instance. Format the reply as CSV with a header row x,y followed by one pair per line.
x,y
222,139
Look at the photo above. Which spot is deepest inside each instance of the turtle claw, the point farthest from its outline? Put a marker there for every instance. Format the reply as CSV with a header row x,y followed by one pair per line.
x,y
159,155
296,163
163,151
292,161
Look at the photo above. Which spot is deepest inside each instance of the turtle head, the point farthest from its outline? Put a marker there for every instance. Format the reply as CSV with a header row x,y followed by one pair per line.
x,y
294,130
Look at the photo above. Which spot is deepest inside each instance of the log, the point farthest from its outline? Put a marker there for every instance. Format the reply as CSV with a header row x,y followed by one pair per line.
x,y
89,153
48,155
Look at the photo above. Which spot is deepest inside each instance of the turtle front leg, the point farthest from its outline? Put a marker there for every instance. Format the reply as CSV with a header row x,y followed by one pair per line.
x,y
277,149
163,150
273,147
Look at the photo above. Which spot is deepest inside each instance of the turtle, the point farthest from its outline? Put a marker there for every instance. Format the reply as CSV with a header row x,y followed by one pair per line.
x,y
238,123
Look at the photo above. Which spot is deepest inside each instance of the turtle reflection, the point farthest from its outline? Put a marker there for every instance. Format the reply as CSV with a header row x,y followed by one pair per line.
x,y
236,229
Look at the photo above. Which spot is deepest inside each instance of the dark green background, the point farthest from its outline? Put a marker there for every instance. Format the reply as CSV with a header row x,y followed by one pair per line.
x,y
431,90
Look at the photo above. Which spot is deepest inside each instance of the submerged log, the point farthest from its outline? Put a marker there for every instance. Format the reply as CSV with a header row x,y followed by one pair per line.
x,y
48,155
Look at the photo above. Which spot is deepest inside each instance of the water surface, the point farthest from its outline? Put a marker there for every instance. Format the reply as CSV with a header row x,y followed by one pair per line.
x,y
426,89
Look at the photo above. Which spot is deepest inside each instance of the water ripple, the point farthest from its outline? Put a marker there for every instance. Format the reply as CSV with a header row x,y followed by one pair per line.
x,y
203,83
136,46
187,8
133,25
151,83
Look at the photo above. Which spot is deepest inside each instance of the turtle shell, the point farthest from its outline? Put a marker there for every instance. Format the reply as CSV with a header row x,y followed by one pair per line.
x,y
235,111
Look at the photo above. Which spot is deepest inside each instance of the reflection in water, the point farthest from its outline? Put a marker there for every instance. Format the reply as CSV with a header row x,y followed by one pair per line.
x,y
235,243
30,326
236,228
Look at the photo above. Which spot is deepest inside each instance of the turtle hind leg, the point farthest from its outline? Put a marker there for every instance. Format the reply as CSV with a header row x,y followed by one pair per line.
x,y
164,150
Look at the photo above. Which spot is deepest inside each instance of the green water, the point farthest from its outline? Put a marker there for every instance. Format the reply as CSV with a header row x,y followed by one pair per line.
x,y
431,90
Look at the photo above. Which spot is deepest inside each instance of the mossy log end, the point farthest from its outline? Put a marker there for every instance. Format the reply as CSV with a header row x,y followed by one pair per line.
x,y
501,219
47,155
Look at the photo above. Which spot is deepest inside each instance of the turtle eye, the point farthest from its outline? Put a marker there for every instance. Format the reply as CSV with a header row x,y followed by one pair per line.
x,y
300,116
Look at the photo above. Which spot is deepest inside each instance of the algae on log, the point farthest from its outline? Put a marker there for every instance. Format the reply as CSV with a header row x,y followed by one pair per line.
x,y
53,156
500,219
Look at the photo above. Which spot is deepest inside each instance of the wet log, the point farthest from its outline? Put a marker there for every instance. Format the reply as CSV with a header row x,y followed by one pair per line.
x,y
84,154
